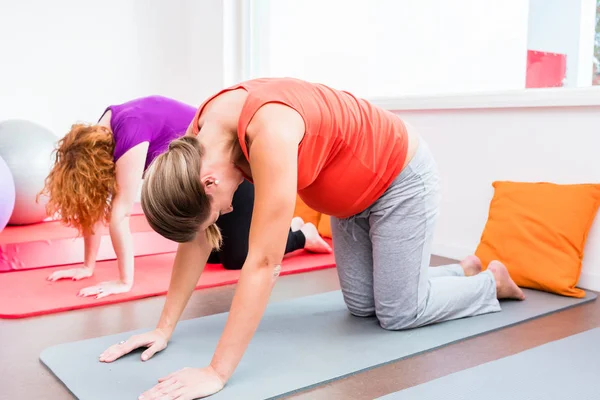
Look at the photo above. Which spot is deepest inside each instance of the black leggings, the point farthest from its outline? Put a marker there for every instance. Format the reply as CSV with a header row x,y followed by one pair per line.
x,y
235,228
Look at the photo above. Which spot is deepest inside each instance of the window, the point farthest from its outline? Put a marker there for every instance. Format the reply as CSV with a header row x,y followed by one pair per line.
x,y
391,48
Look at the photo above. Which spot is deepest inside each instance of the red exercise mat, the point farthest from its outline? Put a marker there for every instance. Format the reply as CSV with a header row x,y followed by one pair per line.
x,y
28,293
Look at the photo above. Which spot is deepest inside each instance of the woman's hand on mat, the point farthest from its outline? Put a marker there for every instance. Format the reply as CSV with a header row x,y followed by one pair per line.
x,y
73,273
155,341
106,289
186,384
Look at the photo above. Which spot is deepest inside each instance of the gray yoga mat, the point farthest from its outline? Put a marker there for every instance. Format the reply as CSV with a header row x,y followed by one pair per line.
x,y
300,343
564,369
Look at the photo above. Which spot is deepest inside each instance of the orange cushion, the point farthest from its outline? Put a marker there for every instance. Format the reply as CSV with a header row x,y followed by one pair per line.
x,y
306,213
324,226
539,231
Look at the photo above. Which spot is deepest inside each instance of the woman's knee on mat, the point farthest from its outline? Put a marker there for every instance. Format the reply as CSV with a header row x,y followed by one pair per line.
x,y
396,323
395,320
360,307
361,312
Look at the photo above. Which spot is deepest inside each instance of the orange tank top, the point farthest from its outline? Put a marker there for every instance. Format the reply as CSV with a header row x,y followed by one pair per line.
x,y
351,150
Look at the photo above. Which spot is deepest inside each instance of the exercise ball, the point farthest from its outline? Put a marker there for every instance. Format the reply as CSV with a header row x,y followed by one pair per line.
x,y
27,149
7,194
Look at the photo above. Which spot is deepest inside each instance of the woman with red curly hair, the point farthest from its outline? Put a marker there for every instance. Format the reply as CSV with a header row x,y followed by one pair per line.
x,y
96,176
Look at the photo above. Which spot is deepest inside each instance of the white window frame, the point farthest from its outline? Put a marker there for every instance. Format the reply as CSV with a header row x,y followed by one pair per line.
x,y
252,42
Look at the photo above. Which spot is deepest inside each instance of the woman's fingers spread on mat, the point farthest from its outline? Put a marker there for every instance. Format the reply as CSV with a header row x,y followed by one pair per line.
x,y
164,390
105,289
174,389
73,273
195,383
118,350
111,354
168,388
152,350
179,394
155,341
56,275
90,291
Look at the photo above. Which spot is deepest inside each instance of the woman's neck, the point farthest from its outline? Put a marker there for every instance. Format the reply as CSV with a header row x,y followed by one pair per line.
x,y
218,131
218,142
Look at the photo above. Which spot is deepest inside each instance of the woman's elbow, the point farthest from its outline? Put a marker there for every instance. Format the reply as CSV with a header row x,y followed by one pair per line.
x,y
267,264
118,218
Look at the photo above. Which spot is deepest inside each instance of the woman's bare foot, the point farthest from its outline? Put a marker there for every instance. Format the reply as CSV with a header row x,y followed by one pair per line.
x,y
297,224
471,265
506,288
314,242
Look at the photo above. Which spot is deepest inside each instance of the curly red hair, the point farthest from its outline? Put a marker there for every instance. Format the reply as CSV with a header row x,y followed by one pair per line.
x,y
82,180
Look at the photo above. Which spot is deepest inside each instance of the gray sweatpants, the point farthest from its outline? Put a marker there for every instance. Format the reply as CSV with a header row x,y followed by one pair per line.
x,y
383,256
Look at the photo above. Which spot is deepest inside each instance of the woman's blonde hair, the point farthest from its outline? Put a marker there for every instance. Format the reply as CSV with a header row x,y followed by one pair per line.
x,y
82,180
173,197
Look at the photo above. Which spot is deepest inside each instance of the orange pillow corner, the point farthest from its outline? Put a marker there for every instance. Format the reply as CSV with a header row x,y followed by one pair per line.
x,y
324,226
539,231
305,212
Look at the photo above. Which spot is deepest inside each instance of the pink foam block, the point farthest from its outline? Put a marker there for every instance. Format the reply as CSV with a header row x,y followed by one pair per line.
x,y
50,243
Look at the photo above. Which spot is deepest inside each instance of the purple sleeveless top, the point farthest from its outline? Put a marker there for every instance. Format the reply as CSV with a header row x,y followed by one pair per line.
x,y
154,119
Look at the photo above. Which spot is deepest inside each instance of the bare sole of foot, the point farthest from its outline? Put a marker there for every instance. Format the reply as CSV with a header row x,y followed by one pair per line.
x,y
297,224
471,265
314,242
506,288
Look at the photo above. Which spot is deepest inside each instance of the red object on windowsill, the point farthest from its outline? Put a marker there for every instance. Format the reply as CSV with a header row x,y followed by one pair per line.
x,y
545,69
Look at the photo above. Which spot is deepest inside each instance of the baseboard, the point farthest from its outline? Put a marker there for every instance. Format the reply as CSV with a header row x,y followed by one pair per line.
x,y
587,280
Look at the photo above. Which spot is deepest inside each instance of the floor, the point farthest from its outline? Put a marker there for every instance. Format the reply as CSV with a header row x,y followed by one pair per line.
x,y
23,376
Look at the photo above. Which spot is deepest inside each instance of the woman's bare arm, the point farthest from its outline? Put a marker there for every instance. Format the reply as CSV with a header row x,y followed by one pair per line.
x,y
188,266
190,260
274,134
129,170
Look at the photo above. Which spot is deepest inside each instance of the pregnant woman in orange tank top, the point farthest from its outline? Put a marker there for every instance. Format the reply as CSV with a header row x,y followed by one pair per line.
x,y
346,158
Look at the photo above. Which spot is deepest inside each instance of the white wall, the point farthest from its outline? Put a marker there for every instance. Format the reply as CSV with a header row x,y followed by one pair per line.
x,y
475,147
393,48
205,24
565,27
64,61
